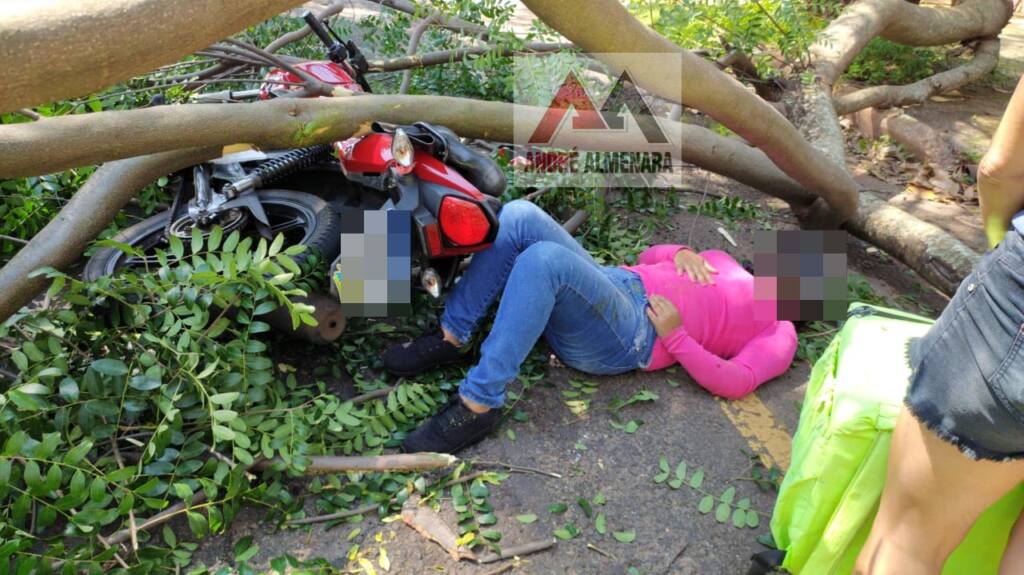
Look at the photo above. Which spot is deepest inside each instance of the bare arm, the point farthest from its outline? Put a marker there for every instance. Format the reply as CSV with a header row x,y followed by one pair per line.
x,y
1001,173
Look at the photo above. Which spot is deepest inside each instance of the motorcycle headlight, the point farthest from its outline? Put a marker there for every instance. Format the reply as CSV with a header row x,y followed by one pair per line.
x,y
401,148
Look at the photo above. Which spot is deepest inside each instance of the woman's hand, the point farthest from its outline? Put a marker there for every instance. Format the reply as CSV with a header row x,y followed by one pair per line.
x,y
663,314
696,267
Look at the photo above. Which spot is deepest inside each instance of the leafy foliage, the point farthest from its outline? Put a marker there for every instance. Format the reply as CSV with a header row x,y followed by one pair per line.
x,y
124,394
885,62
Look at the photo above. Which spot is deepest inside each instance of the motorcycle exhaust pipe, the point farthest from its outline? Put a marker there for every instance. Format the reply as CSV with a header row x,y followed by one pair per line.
x,y
330,322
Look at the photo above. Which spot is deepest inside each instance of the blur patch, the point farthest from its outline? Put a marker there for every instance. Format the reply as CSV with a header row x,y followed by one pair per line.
x,y
800,275
372,274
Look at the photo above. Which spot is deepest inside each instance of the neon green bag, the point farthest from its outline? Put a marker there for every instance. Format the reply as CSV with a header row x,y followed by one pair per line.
x,y
830,494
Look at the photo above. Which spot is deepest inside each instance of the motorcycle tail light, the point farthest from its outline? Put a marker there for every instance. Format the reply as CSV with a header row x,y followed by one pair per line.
x,y
463,222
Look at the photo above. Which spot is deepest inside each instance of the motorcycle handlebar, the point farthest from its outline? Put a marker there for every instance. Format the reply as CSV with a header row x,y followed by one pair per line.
x,y
318,28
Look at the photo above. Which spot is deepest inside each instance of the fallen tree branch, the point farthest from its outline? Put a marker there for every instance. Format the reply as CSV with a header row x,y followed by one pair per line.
x,y
600,27
451,56
936,255
986,56
328,464
90,57
414,44
431,526
89,211
450,22
296,35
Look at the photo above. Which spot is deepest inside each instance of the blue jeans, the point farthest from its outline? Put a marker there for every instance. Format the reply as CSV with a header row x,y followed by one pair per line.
x,y
592,316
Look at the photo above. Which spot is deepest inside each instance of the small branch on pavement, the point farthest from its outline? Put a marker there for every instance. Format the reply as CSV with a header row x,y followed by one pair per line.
x,y
333,516
668,568
600,551
517,551
515,468
7,238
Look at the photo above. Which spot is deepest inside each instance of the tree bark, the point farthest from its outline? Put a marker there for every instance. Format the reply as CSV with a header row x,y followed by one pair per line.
x,y
53,50
607,30
63,142
933,253
449,56
88,212
986,56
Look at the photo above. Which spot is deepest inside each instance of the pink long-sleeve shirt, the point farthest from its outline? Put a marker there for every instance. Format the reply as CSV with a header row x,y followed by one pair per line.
x,y
720,343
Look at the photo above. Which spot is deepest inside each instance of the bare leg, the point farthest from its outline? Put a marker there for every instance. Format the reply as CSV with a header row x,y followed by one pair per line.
x,y
1013,558
933,494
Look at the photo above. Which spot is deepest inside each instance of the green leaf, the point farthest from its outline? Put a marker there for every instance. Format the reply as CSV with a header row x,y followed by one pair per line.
x,y
681,471
479,490
722,512
601,524
177,248
213,242
744,503
675,483
486,519
34,389
632,426
68,389
197,523
706,504
558,508
265,307
568,532
526,518
600,499
78,452
224,398
275,247
752,520
144,382
661,477
197,240
222,433
728,495
663,464
169,537
585,506
697,479
491,535
111,367
232,242
245,549
32,477
624,536
739,518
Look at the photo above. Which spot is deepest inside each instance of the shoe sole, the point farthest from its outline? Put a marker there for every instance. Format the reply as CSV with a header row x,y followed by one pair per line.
x,y
415,372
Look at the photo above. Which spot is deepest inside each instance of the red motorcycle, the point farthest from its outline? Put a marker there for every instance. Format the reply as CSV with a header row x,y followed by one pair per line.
x,y
450,191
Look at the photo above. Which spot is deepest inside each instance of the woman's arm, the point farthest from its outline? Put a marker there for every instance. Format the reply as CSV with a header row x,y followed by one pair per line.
x,y
659,253
765,357
1001,172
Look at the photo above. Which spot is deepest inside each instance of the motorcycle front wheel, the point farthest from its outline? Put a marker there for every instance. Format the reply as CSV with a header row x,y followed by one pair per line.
x,y
302,218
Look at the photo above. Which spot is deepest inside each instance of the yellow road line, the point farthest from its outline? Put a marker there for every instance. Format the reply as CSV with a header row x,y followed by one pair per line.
x,y
755,422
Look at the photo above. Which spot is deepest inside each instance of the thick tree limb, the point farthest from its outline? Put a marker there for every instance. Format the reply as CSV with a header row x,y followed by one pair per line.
x,y
449,56
986,56
606,28
936,255
69,141
88,212
74,41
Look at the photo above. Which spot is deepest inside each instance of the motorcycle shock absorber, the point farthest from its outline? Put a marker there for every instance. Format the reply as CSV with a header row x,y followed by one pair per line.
x,y
276,168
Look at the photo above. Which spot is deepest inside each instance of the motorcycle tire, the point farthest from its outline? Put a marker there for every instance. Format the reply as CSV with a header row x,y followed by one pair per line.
x,y
313,223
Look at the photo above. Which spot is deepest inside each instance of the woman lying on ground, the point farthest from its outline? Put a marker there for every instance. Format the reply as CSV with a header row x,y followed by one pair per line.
x,y
959,447
673,306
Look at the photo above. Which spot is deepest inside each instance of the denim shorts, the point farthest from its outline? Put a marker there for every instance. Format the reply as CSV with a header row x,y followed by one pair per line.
x,y
968,379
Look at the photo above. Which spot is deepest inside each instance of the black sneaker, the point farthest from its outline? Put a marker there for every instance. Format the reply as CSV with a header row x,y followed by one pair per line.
x,y
421,354
454,428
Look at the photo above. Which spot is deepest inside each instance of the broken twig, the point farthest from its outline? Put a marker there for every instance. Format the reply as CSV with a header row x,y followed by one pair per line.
x,y
326,464
516,468
429,524
518,551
